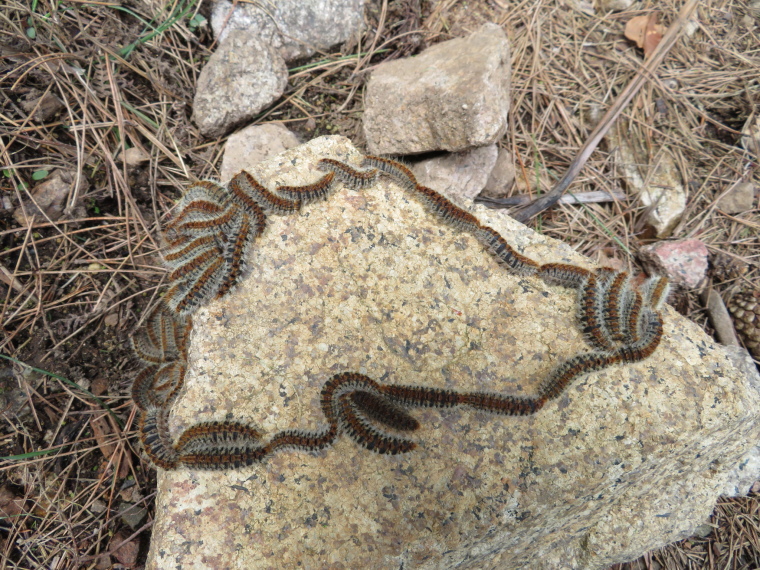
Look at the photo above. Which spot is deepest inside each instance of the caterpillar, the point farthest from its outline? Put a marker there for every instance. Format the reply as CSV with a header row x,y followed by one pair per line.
x,y
205,249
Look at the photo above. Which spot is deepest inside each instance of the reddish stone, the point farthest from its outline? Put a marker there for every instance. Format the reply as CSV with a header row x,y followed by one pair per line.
x,y
684,261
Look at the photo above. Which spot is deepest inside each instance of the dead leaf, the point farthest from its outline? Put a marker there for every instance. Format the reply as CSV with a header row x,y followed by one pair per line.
x,y
102,431
11,505
634,29
607,258
645,31
99,385
652,35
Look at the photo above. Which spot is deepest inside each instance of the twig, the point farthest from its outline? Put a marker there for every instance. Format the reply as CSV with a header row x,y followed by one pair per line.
x,y
721,320
548,200
71,383
595,196
9,279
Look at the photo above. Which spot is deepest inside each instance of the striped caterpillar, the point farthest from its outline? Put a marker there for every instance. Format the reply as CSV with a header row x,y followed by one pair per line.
x,y
205,248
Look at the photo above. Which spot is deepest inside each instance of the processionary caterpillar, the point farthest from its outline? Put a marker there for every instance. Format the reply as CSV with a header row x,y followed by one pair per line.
x,y
206,247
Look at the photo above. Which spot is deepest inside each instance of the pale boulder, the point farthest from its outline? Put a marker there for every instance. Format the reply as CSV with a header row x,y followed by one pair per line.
x,y
295,28
626,460
253,144
453,96
462,174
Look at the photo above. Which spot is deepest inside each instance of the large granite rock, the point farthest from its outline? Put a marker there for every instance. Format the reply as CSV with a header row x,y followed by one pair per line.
x,y
453,96
626,460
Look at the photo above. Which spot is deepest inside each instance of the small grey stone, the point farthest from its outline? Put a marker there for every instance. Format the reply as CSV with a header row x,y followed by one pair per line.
x,y
461,174
253,144
98,506
502,176
132,514
135,156
51,197
739,199
453,96
295,28
244,76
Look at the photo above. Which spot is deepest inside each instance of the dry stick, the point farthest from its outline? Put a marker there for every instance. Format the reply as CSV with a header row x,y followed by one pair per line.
x,y
594,196
10,279
721,320
380,25
647,70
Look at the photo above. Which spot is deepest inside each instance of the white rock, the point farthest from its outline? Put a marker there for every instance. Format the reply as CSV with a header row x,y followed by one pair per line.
x,y
295,28
613,5
254,144
502,177
751,135
453,96
740,198
656,180
135,156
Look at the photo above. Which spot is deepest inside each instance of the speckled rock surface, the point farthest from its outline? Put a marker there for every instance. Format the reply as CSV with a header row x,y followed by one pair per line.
x,y
626,460
453,96
684,261
296,28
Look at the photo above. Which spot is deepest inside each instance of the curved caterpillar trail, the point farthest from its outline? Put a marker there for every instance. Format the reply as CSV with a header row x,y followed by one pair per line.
x,y
205,248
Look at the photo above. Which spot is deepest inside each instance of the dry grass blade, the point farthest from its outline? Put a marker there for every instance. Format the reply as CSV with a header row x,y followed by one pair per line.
x,y
609,118
80,85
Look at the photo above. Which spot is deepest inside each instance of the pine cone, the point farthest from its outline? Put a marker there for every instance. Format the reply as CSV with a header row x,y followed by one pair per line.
x,y
745,309
725,268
